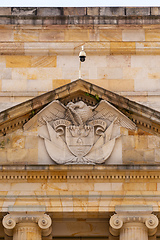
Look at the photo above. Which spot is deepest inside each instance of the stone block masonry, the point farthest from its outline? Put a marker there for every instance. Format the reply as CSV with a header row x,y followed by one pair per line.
x,y
39,50
81,15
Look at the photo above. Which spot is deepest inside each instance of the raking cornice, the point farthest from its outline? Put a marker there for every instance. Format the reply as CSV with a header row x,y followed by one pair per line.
x,y
145,118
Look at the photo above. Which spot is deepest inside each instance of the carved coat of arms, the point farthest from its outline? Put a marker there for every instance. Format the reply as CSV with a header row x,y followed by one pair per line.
x,y
80,134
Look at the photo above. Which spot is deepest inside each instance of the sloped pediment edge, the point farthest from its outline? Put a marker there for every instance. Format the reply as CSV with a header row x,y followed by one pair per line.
x,y
144,117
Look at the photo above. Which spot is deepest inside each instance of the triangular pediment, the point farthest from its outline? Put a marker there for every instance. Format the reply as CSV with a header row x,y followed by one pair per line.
x,y
144,117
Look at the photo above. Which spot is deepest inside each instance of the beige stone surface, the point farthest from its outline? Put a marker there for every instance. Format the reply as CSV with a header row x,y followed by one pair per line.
x,y
144,61
52,35
19,73
19,156
110,35
29,61
157,155
18,61
133,156
32,73
140,186
5,73
49,73
153,142
26,35
141,142
6,35
16,155
119,61
73,73
44,61
149,155
2,62
133,35
31,142
60,82
154,73
101,82
131,72
14,85
151,35
128,142
146,84
122,48
109,73
108,186
76,35
24,73
3,156
0,85
121,85
39,85
18,142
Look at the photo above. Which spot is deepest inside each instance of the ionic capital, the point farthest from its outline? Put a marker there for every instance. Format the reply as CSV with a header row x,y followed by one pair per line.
x,y
117,221
43,221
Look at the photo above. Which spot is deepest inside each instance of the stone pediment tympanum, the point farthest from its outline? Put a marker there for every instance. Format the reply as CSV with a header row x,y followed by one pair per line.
x,y
78,123
78,133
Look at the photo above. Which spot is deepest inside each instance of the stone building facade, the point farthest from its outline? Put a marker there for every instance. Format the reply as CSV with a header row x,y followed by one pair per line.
x,y
79,159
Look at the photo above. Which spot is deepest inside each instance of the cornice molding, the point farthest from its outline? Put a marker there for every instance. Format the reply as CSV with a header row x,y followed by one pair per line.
x,y
103,47
118,173
78,20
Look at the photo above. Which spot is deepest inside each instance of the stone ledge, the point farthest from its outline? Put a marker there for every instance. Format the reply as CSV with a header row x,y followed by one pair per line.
x,y
79,20
73,47
80,11
79,168
81,15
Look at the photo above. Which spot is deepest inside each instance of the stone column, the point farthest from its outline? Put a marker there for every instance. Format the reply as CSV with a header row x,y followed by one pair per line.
x,y
27,226
133,225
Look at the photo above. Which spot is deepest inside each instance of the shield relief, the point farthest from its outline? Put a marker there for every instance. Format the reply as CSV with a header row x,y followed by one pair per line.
x,y
80,139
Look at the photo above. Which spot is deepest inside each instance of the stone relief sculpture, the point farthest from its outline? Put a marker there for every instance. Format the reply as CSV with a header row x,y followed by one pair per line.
x,y
80,134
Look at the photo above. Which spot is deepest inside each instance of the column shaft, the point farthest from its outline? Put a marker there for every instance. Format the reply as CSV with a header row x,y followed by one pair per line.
x,y
27,231
134,231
